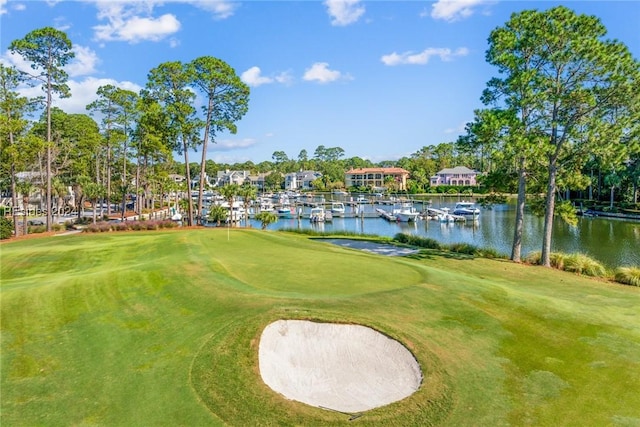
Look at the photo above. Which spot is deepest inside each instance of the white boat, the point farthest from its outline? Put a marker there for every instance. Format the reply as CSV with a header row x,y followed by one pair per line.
x,y
237,211
328,215
445,216
266,204
406,212
362,199
466,208
317,215
337,208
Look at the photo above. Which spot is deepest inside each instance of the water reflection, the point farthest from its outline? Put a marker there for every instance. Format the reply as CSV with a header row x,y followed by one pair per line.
x,y
613,242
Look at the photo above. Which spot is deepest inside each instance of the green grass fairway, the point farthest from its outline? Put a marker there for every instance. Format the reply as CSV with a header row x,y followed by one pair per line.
x,y
162,329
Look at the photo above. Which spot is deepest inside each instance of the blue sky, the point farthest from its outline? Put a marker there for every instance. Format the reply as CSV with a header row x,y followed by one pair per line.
x,y
380,79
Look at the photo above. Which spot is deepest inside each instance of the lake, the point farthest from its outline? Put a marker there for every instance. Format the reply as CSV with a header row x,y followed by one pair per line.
x,y
613,242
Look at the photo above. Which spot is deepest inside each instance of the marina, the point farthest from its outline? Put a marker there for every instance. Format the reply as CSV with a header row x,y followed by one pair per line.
x,y
612,241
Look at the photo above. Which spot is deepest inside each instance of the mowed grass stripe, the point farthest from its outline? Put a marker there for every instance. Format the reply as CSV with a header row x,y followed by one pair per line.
x,y
163,330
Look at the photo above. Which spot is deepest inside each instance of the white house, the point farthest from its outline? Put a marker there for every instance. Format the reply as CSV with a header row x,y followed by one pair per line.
x,y
231,177
302,180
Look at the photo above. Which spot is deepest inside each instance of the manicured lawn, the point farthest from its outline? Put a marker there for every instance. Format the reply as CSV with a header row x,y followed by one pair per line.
x,y
162,328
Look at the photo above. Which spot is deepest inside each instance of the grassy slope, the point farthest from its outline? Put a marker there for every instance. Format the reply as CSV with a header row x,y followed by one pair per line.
x,y
162,329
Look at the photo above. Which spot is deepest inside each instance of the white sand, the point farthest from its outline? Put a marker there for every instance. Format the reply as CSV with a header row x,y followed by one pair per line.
x,y
347,368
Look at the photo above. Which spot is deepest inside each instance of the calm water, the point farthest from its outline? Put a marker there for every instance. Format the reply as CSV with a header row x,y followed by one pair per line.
x,y
611,241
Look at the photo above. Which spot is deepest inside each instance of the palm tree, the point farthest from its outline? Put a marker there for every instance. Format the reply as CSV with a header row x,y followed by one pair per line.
x,y
266,218
94,192
60,190
229,192
24,188
217,214
247,192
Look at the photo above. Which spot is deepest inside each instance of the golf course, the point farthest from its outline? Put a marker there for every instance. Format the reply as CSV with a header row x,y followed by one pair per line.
x,y
162,328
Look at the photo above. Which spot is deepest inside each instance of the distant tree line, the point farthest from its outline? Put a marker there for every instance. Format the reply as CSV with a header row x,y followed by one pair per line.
x,y
560,119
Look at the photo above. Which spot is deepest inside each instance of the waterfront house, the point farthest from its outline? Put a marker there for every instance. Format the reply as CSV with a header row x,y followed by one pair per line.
x,y
460,175
258,181
227,177
301,180
177,178
376,177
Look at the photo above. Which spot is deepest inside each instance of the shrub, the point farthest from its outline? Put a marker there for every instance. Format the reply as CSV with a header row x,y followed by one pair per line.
x,y
491,253
556,258
6,228
464,248
575,263
628,276
422,242
37,229
83,220
129,225
92,228
583,264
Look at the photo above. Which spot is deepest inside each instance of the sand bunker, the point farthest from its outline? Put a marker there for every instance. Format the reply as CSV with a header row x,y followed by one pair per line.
x,y
347,368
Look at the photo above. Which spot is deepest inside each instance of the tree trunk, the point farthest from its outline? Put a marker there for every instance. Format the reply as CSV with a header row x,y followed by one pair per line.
x,y
204,154
25,226
138,198
108,177
48,195
516,249
611,195
548,216
188,173
14,201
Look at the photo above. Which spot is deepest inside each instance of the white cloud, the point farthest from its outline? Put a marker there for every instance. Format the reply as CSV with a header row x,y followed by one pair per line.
x,y
61,23
9,59
133,20
284,77
455,10
321,73
84,62
18,7
344,12
457,130
83,92
232,144
421,58
221,9
136,28
253,78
